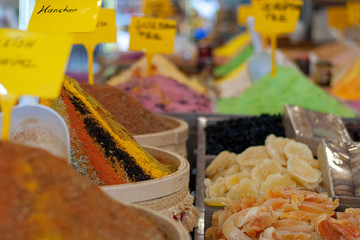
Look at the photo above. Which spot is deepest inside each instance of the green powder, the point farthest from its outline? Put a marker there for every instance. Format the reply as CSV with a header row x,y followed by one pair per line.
x,y
269,95
236,61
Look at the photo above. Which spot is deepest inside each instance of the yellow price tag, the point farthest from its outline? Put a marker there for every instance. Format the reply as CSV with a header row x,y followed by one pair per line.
x,y
244,11
152,35
157,8
30,64
276,16
65,15
105,32
353,11
337,17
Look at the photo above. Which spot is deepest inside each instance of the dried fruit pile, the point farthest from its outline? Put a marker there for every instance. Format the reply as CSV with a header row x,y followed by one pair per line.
x,y
285,214
235,135
281,162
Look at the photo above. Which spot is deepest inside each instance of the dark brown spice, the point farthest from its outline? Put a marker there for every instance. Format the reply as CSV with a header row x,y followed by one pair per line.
x,y
126,109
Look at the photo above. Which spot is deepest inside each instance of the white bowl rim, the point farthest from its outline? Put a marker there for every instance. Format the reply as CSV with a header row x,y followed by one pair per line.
x,y
154,188
176,135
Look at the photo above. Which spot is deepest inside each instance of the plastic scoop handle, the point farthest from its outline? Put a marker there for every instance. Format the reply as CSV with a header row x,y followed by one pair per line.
x,y
255,37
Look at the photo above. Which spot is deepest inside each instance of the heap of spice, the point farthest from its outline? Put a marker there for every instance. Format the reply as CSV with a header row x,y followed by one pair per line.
x,y
43,198
127,110
270,94
163,94
235,62
101,148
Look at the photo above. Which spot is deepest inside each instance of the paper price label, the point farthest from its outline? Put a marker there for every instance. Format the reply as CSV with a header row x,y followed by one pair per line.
x,y
276,16
33,63
353,12
244,11
105,31
337,17
152,35
157,8
65,15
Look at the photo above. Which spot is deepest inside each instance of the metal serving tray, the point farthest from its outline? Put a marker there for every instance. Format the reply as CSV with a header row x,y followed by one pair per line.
x,y
203,161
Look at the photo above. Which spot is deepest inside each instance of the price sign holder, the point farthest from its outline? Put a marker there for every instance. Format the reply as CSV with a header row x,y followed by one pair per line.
x,y
31,63
65,15
105,32
157,8
276,17
243,12
152,35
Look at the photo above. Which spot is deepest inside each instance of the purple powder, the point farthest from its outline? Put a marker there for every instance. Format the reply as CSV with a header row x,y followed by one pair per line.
x,y
162,94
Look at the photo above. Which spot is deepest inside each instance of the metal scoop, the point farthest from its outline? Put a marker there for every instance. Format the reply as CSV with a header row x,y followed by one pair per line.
x,y
38,126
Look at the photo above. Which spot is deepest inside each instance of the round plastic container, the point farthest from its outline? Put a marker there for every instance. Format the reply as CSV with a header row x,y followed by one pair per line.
x,y
173,140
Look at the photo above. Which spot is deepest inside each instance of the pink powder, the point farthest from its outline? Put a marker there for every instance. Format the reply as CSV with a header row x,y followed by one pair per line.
x,y
162,94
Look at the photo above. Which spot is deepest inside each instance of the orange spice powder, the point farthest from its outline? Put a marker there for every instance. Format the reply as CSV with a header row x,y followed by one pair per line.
x,y
98,162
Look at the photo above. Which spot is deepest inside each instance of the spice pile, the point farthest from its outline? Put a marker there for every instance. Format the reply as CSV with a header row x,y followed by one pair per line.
x,y
126,109
101,148
162,94
43,198
236,135
269,95
235,62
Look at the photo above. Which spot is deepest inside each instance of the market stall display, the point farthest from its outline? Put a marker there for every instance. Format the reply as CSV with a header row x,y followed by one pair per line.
x,y
159,66
166,95
233,46
288,87
105,152
60,203
96,136
255,171
126,110
231,175
149,129
339,163
239,133
285,214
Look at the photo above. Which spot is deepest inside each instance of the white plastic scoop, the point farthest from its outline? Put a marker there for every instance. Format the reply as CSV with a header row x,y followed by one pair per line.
x,y
259,63
38,126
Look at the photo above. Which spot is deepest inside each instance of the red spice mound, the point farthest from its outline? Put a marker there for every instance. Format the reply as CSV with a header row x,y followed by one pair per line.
x,y
127,110
42,197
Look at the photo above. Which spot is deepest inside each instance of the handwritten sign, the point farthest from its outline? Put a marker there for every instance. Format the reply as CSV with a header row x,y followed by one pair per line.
x,y
157,8
337,17
276,16
152,35
30,64
65,15
105,32
244,11
353,12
